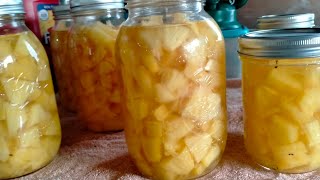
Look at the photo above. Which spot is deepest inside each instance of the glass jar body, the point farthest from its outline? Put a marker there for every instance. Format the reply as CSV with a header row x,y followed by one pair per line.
x,y
61,63
172,63
30,132
91,42
281,107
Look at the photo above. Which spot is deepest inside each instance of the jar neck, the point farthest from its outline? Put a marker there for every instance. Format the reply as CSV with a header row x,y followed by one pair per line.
x,y
12,23
99,15
164,7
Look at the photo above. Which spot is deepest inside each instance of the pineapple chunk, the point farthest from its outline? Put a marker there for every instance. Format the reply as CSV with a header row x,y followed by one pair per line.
x,y
6,49
198,170
282,131
312,130
153,128
29,158
203,106
138,108
175,82
217,129
181,164
2,110
16,119
213,154
17,90
148,40
195,53
30,138
144,80
161,113
310,102
37,114
44,74
265,97
24,46
51,144
198,145
150,62
4,152
152,148
295,113
284,81
24,68
315,157
291,156
174,36
163,94
101,34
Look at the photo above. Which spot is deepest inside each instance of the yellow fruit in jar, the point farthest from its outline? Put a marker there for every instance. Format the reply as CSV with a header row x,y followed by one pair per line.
x,y
4,153
17,90
198,145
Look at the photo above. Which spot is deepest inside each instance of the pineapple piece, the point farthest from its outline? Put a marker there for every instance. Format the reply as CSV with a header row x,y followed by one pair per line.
x,y
284,81
25,46
2,110
174,36
198,145
161,113
101,34
295,113
310,102
195,53
312,130
29,158
44,74
213,154
6,49
153,128
3,129
203,106
291,155
181,164
315,157
265,97
30,138
17,90
150,62
147,38
144,80
152,148
152,20
217,129
163,95
51,144
24,68
16,119
4,153
175,82
282,131
198,170
37,114
138,108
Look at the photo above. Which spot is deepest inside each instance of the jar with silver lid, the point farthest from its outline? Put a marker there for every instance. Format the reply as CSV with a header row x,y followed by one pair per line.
x,y
60,60
91,47
30,132
286,21
281,98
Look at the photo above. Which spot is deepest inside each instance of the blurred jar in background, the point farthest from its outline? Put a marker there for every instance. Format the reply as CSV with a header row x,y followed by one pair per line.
x,y
91,45
60,58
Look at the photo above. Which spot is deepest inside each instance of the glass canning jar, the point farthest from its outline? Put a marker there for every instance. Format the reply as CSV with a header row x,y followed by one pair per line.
x,y
60,58
172,60
281,98
91,45
30,131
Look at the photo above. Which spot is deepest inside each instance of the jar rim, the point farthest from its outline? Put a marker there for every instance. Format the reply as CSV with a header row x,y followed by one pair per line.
x,y
285,43
89,5
11,7
143,3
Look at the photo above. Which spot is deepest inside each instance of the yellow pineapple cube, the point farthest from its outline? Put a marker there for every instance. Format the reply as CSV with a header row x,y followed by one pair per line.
x,y
30,138
310,102
174,36
198,170
163,94
17,90
217,129
152,148
203,106
150,62
315,157
175,82
213,154
44,74
198,145
23,68
144,81
25,158
37,114
25,46
282,131
312,130
138,108
4,153
181,164
16,119
161,113
148,40
265,97
291,155
51,144
6,49
153,128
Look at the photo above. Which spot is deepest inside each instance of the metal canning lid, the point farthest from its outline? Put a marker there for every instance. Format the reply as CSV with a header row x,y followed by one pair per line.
x,y
89,5
64,2
286,21
285,43
61,10
143,3
11,7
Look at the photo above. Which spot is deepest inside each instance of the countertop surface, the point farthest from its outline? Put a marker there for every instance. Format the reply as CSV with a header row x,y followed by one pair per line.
x,y
94,156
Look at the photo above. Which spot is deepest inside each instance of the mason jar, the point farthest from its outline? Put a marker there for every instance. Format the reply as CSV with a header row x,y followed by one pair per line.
x,y
60,56
91,47
172,60
286,21
281,98
30,131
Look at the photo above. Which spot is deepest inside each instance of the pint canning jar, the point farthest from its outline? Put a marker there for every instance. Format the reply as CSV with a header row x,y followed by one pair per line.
x,y
60,56
91,45
281,98
172,60
30,131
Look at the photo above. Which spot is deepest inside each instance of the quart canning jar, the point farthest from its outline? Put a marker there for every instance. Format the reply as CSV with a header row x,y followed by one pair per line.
x,y
30,131
281,98
60,56
91,45
172,59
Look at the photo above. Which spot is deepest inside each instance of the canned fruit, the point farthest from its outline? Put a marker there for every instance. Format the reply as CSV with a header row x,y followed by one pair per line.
x,y
175,120
281,105
62,68
30,133
92,47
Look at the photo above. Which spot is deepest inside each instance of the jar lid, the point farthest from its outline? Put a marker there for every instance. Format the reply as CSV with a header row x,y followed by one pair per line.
x,y
11,7
64,2
88,5
285,21
61,10
285,43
